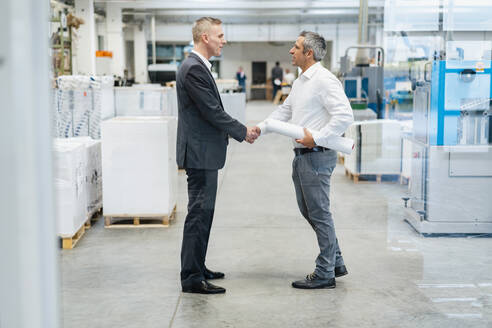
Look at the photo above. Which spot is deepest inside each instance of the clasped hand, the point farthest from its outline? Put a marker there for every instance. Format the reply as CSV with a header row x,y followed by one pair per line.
x,y
308,140
252,134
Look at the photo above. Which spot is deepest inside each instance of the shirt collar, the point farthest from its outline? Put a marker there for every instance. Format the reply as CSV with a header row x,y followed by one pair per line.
x,y
311,70
204,60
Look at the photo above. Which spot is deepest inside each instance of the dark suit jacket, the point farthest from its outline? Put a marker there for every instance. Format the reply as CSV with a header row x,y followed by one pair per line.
x,y
203,125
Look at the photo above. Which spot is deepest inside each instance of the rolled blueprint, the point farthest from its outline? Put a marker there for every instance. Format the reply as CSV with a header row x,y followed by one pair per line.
x,y
341,144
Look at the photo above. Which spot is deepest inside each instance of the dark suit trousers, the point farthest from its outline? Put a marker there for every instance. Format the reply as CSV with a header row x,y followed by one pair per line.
x,y
202,191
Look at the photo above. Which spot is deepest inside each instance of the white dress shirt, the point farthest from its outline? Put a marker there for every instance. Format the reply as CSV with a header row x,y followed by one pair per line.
x,y
317,102
204,60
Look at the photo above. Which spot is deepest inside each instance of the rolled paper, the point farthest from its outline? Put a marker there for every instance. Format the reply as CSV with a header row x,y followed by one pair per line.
x,y
341,144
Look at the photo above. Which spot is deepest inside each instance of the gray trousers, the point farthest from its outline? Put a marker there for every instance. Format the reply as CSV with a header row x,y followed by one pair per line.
x,y
311,173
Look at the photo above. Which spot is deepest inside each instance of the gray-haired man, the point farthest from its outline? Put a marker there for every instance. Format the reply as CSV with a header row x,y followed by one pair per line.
x,y
318,102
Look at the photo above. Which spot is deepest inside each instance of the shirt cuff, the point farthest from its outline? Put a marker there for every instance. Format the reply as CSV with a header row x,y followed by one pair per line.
x,y
262,127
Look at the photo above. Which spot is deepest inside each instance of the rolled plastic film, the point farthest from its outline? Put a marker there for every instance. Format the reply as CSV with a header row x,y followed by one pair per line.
x,y
341,144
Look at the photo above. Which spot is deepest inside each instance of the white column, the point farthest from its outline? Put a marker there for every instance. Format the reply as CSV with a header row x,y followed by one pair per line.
x,y
114,30
85,60
28,250
140,53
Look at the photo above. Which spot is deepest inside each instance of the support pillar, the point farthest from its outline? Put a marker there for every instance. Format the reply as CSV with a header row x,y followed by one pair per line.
x,y
85,61
114,28
140,53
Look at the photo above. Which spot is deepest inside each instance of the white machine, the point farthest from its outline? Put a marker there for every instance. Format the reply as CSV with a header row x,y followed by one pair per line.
x,y
451,186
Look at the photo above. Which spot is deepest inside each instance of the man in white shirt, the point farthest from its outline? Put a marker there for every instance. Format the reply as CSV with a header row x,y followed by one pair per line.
x,y
317,102
289,77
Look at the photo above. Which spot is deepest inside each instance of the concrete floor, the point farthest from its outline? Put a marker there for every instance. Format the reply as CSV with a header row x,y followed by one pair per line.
x,y
130,278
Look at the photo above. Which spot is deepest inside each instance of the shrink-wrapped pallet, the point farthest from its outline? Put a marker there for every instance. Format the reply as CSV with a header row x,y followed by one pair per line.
x,y
139,166
378,147
70,187
74,106
235,105
93,170
80,104
170,102
139,101
104,97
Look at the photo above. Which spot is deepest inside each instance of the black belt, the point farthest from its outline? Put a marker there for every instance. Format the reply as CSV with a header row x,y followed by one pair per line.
x,y
302,151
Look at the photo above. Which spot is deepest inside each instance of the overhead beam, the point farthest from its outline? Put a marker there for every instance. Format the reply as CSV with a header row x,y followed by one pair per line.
x,y
251,12
244,5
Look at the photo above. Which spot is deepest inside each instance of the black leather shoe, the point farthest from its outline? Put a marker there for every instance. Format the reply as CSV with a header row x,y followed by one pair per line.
x,y
204,287
340,271
209,275
312,281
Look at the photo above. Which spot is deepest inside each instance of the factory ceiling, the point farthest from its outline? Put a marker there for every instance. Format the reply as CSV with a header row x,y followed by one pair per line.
x,y
244,11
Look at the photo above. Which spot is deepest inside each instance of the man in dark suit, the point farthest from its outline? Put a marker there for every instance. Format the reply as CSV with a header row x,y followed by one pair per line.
x,y
203,131
277,78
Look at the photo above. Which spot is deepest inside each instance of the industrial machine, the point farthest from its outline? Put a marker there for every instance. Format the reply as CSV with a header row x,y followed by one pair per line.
x,y
451,179
363,84
162,73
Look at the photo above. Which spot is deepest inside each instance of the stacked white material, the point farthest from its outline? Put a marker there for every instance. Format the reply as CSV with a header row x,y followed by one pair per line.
x,y
224,85
82,102
139,166
147,86
75,106
139,101
70,187
105,87
380,147
170,102
235,105
103,103
364,115
93,170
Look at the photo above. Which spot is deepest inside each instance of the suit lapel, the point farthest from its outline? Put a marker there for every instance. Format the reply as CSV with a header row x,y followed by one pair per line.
x,y
210,76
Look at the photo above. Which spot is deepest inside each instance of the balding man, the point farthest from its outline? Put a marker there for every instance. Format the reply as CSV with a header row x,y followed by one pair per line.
x,y
203,131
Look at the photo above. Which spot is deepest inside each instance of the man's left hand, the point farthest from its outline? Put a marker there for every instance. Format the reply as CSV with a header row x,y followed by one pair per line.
x,y
308,140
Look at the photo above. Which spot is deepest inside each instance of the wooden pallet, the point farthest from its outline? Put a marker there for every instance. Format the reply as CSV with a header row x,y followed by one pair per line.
x,y
93,216
70,242
340,159
140,221
357,177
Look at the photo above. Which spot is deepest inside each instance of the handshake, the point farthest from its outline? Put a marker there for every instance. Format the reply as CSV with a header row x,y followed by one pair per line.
x,y
252,134
303,136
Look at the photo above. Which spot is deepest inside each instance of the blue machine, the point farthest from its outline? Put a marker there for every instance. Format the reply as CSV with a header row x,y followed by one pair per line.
x,y
363,84
459,104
